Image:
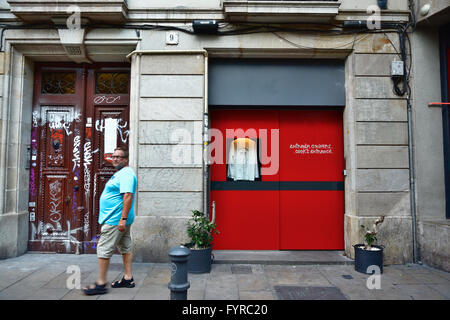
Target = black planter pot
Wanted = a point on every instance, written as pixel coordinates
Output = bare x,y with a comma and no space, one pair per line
200,261
366,258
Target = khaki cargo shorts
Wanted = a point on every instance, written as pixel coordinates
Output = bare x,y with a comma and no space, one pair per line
110,238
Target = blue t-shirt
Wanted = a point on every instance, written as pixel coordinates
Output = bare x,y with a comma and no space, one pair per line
111,200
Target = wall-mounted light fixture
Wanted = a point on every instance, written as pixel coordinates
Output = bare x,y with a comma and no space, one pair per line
205,26
72,40
425,9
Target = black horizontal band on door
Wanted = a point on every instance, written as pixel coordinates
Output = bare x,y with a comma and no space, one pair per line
277,185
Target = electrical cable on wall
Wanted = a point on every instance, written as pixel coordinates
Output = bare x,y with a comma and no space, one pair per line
239,29
401,84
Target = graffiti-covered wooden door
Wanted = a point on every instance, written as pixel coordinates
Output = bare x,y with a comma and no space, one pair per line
55,201
67,143
107,127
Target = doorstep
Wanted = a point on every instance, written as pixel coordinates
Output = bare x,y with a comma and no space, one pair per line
288,257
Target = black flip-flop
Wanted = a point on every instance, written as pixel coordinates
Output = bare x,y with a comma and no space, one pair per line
98,289
123,283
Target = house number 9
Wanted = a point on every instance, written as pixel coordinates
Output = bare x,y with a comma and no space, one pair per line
172,38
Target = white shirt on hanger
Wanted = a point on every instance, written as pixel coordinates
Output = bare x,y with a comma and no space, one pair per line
243,160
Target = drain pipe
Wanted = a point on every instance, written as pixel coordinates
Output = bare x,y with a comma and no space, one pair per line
412,188
402,32
205,140
411,153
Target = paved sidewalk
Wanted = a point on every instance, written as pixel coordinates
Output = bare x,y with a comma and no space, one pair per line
44,276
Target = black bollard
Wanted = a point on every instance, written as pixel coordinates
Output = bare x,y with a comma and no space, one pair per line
179,283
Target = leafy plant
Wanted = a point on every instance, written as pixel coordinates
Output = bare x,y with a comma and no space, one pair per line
370,236
200,230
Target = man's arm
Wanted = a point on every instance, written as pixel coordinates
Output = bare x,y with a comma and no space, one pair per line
127,202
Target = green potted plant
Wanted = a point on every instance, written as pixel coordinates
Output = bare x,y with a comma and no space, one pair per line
368,254
200,230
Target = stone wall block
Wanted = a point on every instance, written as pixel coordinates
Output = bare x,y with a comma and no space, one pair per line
380,110
170,132
363,4
173,64
11,201
351,234
396,235
378,43
169,156
374,88
389,133
155,86
169,179
154,236
435,244
11,178
382,180
384,204
13,234
185,109
374,64
169,203
382,157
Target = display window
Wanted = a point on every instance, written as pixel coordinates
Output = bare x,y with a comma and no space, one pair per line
243,160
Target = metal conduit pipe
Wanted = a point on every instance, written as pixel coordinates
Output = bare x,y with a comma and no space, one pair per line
205,139
403,37
205,135
412,188
412,182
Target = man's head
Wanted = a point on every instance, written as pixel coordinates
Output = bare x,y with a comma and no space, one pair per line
120,158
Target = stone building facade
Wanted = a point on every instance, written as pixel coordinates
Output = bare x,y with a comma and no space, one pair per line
169,65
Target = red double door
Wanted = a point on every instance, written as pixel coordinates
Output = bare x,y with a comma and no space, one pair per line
294,199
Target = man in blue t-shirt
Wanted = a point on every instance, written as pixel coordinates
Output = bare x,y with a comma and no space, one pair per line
116,216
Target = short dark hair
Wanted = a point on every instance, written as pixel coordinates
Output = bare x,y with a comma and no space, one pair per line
124,150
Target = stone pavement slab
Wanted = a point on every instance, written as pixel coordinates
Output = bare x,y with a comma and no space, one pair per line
308,293
44,276
285,257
